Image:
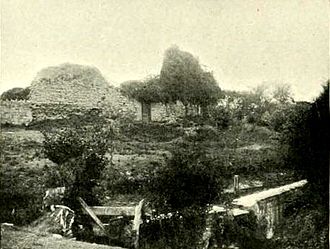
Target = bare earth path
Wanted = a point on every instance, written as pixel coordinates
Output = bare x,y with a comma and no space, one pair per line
12,238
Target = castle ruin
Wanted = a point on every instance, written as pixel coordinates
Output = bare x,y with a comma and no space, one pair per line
59,91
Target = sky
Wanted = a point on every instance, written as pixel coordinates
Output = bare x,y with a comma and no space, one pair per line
244,42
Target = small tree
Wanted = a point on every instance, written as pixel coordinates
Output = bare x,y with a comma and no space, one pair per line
220,117
184,187
282,93
81,155
146,92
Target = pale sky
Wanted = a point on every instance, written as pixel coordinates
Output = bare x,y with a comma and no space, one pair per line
244,42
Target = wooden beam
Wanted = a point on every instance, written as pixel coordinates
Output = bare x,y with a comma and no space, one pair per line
90,212
113,211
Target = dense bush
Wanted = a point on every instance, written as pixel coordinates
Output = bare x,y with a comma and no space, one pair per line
175,230
16,93
279,117
305,225
305,144
183,189
80,157
21,191
220,117
189,178
243,231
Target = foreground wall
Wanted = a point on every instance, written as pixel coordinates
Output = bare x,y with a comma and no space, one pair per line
15,112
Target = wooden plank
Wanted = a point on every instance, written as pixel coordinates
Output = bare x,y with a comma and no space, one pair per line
88,211
113,211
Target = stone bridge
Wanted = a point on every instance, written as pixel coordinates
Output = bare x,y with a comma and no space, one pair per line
267,205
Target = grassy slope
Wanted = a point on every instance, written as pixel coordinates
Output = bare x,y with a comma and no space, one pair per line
19,239
21,174
138,151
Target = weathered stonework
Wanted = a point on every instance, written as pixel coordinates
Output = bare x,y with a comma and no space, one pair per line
69,84
160,112
15,112
58,92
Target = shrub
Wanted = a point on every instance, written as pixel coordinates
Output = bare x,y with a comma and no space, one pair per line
176,230
305,223
220,117
183,188
242,231
16,93
80,155
189,178
21,191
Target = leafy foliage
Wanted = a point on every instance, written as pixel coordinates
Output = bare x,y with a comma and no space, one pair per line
220,117
282,93
147,91
184,80
16,93
180,230
305,225
189,178
250,107
81,156
184,187
279,116
306,135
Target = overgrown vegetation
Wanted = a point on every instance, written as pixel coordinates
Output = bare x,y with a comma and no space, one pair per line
16,93
183,189
21,176
181,167
181,79
80,156
306,136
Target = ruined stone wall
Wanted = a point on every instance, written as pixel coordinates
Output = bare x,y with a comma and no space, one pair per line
15,112
119,105
171,112
69,84
52,111
114,105
69,93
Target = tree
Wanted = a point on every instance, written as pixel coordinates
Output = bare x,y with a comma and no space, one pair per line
80,155
184,80
183,188
250,106
279,117
146,92
16,93
282,93
131,89
189,179
306,136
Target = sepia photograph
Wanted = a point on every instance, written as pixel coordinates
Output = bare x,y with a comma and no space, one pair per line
145,124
